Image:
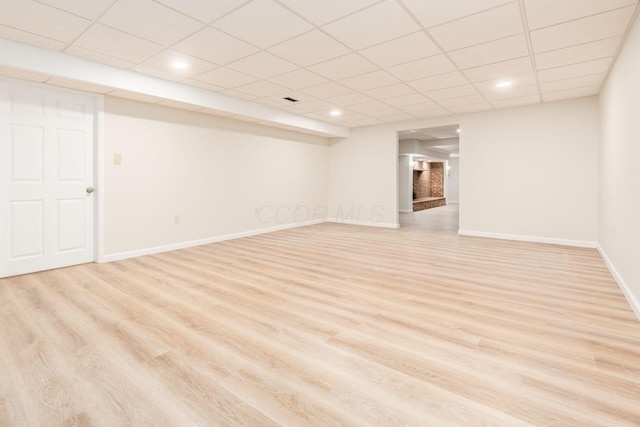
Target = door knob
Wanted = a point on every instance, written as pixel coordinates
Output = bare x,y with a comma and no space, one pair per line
89,190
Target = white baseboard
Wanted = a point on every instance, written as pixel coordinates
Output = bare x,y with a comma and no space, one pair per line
405,210
631,298
453,202
523,238
199,242
365,223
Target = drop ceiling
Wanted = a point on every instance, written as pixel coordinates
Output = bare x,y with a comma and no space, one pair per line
376,61
442,139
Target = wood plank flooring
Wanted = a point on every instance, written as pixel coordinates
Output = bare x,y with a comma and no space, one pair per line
327,325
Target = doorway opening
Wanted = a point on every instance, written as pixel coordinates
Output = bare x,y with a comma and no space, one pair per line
428,172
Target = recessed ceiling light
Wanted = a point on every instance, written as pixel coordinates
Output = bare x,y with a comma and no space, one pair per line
180,65
505,83
458,130
336,113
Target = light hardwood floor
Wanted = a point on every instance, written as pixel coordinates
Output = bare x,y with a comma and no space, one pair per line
325,325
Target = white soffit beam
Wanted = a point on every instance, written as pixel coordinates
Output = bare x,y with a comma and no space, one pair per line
59,64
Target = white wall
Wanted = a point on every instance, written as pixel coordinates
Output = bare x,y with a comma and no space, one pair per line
532,171
362,177
619,234
453,183
405,183
527,172
221,176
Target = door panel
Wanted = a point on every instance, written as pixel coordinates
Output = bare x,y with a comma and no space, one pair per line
71,225
26,228
46,165
27,153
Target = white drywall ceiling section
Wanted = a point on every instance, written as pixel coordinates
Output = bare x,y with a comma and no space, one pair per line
35,59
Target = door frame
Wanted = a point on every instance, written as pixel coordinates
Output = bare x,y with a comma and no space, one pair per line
98,170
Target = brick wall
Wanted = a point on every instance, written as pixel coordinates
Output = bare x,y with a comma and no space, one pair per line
421,184
436,179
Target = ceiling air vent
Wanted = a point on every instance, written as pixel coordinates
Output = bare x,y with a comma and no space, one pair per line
288,98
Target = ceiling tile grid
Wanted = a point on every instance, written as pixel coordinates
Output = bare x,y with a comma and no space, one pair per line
375,60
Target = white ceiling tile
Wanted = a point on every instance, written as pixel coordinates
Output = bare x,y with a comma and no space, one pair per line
368,106
439,82
321,12
431,13
575,70
30,38
163,60
354,117
400,117
385,92
577,82
42,20
470,108
298,51
490,52
580,53
343,67
500,70
261,89
385,112
15,73
544,13
149,20
452,92
179,105
511,92
301,97
204,10
584,30
369,81
497,23
404,49
135,96
239,95
326,90
517,81
78,85
422,68
298,79
462,100
431,113
400,101
315,106
262,65
225,78
514,102
98,57
227,48
571,93
376,24
366,122
108,41
421,108
87,9
349,99
263,23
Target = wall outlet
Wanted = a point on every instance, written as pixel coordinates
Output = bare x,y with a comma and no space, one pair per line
117,159
176,219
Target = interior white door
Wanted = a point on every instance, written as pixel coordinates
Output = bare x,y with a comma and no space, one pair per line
46,179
